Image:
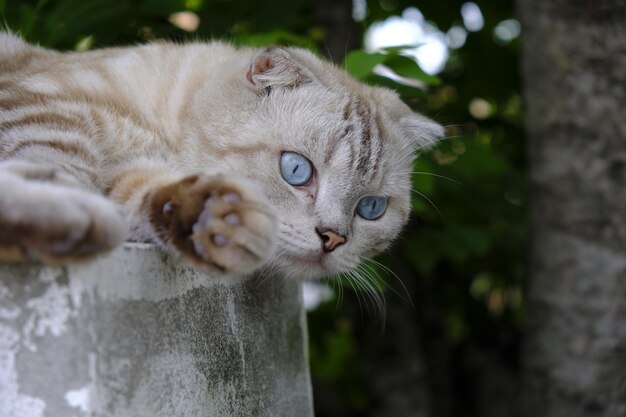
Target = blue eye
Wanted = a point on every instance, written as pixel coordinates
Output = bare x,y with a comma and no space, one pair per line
371,207
295,168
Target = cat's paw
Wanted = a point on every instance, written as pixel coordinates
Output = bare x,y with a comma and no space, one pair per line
42,219
216,222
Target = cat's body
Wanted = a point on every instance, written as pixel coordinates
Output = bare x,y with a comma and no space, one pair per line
184,145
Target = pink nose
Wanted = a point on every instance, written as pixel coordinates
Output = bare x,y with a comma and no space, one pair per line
330,240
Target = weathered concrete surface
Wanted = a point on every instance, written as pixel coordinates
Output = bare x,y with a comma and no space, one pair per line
138,334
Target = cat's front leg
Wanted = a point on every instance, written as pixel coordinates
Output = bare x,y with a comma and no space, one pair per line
46,214
218,222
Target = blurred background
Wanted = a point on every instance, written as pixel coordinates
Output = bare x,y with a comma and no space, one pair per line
433,327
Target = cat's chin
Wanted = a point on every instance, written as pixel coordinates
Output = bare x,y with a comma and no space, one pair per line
308,267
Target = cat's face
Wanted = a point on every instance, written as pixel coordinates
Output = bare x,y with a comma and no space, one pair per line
335,158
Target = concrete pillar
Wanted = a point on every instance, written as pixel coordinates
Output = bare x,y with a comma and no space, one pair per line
137,333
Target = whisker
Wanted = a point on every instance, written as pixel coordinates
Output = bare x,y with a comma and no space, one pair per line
436,175
368,288
338,291
339,296
374,294
370,293
438,141
330,282
408,298
293,242
270,269
429,200
352,281
407,151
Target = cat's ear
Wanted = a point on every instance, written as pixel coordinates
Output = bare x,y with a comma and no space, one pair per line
421,131
275,67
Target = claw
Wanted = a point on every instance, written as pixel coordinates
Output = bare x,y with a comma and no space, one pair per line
220,240
232,219
232,198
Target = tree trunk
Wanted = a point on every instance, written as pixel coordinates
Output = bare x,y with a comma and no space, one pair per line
575,74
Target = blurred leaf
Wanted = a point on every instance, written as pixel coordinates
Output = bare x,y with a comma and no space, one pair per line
360,64
406,92
478,160
400,48
84,44
407,67
481,285
193,5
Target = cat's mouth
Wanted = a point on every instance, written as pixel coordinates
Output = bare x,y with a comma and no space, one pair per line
301,260
311,265
312,259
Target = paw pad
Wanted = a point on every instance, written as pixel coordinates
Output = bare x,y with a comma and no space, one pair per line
215,222
207,215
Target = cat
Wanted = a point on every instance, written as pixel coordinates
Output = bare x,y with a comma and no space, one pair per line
233,158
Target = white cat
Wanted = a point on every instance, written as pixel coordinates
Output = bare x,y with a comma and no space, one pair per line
233,158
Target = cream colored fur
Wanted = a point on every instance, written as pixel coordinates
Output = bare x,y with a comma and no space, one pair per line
127,125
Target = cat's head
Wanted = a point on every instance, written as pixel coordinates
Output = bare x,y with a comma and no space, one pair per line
335,158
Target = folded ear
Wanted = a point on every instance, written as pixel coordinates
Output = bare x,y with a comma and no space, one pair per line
275,67
422,131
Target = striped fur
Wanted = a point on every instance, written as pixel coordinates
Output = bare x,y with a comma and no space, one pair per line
180,145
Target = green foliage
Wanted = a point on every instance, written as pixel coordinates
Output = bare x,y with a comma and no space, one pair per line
62,23
333,354
361,65
407,67
275,37
466,247
469,193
